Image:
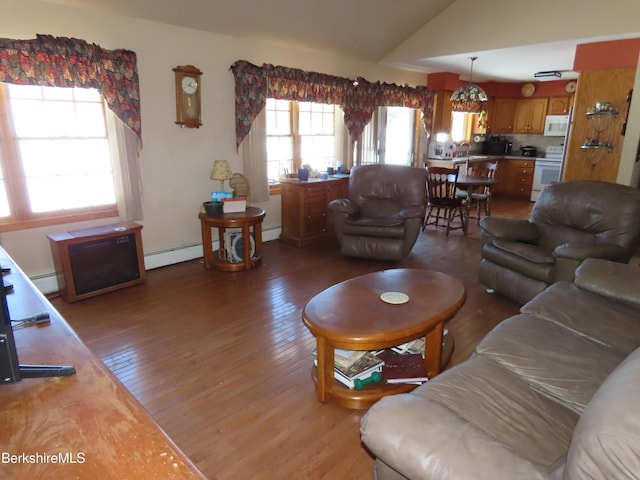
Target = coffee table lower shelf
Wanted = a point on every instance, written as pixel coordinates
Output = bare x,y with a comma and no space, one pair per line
346,397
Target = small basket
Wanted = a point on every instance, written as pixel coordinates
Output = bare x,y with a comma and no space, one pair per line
213,209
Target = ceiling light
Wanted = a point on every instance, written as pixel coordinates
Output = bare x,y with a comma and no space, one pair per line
549,73
469,98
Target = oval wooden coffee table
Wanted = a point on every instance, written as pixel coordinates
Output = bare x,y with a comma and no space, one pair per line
351,315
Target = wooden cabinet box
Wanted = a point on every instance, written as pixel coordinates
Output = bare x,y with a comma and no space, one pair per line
516,178
97,260
306,217
559,105
501,115
442,112
530,115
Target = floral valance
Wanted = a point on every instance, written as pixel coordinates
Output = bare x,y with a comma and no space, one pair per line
358,99
69,62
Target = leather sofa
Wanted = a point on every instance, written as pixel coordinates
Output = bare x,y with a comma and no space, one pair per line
551,393
383,215
570,221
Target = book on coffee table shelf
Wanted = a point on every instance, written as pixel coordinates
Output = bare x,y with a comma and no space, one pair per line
403,367
361,369
414,346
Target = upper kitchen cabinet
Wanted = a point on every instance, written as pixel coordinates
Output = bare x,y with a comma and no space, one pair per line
559,105
442,112
530,115
481,120
500,119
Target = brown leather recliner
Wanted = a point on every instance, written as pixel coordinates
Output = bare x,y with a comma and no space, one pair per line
571,221
382,217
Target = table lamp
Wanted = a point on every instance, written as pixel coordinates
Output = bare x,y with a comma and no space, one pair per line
221,171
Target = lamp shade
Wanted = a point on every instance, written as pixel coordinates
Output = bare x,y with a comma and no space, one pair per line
221,170
469,98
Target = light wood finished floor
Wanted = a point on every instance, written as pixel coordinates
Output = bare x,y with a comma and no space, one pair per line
222,360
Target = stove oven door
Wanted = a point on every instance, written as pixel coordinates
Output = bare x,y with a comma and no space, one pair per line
545,173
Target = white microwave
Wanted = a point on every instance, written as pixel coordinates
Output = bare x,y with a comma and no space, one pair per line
556,125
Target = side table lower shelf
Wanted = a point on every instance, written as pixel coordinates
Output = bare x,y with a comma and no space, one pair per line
250,219
361,399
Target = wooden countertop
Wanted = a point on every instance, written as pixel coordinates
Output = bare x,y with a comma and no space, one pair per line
83,426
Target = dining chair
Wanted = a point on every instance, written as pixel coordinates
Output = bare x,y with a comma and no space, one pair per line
482,198
442,200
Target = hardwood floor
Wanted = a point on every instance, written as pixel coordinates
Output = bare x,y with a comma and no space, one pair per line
222,360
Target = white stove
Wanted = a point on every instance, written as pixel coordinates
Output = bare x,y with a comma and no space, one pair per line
548,170
553,153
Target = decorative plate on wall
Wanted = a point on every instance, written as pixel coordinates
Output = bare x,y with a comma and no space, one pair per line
570,86
528,89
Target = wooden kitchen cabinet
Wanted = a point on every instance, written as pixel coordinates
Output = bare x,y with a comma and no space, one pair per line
483,128
516,178
530,115
500,118
559,105
306,217
442,112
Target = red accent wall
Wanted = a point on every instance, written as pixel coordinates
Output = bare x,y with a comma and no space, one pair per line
611,54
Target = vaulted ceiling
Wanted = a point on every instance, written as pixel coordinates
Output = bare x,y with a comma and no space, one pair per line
512,39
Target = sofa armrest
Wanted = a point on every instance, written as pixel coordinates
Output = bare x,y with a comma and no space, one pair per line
343,206
515,229
581,251
618,281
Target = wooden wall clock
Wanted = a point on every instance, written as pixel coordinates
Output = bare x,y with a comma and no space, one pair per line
188,89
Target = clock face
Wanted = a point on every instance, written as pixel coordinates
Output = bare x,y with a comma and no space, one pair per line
189,85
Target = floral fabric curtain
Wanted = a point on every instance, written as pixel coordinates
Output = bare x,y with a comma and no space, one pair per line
255,84
69,62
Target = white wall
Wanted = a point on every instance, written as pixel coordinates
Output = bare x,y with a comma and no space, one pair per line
175,162
629,170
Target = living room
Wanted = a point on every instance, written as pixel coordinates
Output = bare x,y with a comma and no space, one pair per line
175,164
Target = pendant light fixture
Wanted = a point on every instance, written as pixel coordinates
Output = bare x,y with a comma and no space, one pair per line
469,98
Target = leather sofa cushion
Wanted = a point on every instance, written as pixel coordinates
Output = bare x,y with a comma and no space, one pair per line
372,247
568,368
597,317
543,272
456,426
379,207
532,253
392,227
606,441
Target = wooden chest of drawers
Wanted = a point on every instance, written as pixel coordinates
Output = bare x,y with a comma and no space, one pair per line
516,178
521,178
306,217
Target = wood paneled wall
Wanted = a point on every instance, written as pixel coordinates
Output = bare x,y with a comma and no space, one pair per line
608,85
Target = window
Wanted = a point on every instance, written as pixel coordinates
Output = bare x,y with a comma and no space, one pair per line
55,160
461,126
390,137
299,133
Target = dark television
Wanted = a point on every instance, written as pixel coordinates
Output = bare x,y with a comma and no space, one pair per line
10,369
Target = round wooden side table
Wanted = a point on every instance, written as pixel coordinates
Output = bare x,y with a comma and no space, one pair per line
251,218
